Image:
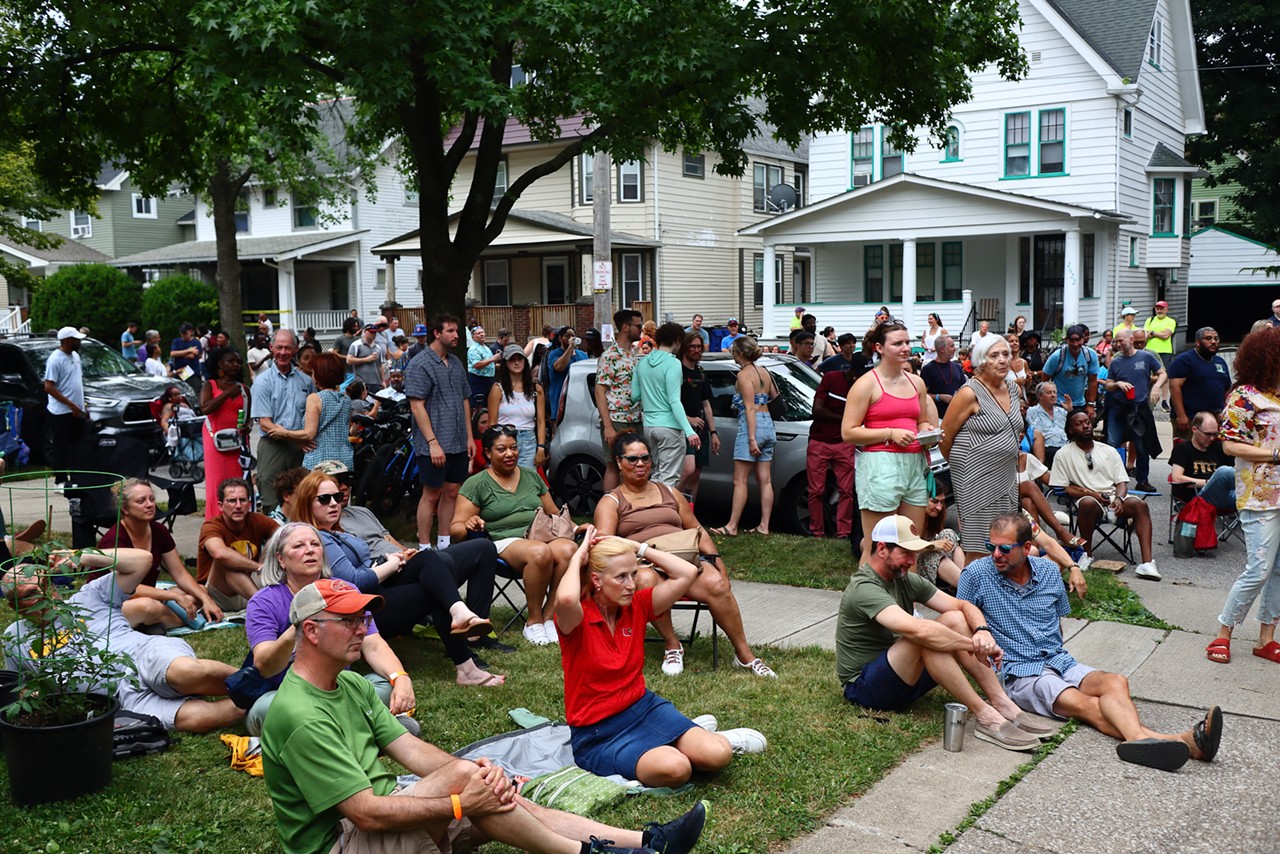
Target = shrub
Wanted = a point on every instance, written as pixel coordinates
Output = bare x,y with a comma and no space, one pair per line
175,300
94,295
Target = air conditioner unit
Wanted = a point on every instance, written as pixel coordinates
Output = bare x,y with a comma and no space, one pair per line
861,179
78,231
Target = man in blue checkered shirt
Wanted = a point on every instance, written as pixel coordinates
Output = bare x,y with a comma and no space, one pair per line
1024,600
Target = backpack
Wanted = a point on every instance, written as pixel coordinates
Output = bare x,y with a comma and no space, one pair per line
1196,528
137,735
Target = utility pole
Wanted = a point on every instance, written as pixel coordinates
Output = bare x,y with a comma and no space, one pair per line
601,251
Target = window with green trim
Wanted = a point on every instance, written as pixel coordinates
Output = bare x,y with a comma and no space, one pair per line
1186,207
1133,251
1017,145
1155,49
891,158
1163,201
1024,270
951,145
864,156
1086,261
926,264
895,272
873,273
1053,141
952,270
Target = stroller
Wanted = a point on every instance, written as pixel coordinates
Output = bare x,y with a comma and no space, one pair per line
185,448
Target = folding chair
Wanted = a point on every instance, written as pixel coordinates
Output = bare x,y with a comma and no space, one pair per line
687,604
506,578
1118,534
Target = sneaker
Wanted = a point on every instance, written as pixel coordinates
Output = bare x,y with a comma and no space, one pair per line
673,661
606,846
536,634
409,724
707,722
679,835
1084,562
744,740
1147,570
756,666
553,636
1145,486
1008,735
1063,518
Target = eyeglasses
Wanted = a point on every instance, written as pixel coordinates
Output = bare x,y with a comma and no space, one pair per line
384,325
1004,548
327,498
352,622
1211,435
495,429
235,501
635,459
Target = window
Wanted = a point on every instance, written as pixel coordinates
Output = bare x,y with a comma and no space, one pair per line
951,145
1086,261
798,180
873,273
926,263
380,279
952,270
269,199
765,177
1133,251
1024,271
411,196
242,211
143,207
895,272
500,180
1204,212
1127,123
630,188
520,77
891,159
1162,207
305,214
864,152
32,224
1186,207
695,165
757,279
586,164
555,281
1017,145
1154,47
1053,127
778,296
497,283
631,278
81,225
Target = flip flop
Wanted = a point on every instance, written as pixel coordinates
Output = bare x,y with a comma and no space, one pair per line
1076,543
723,532
1271,652
1219,651
475,628
488,681
1208,734
1163,754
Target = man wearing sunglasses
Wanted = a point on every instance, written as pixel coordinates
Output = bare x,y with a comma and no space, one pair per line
1024,600
1094,476
1198,381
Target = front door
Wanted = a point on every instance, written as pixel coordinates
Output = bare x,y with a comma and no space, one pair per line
555,281
1047,280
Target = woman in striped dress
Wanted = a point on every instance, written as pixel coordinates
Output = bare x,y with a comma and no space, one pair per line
980,436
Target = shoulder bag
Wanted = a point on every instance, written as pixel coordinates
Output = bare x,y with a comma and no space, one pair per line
546,527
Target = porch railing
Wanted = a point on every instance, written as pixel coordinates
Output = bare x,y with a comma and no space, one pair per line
13,322
329,320
552,315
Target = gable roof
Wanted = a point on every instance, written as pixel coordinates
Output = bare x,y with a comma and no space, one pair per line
1165,159
278,248
1117,29
555,226
68,252
110,176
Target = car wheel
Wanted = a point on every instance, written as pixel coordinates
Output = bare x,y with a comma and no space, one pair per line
580,485
793,510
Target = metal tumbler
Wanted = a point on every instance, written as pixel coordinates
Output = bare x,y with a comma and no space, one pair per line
955,715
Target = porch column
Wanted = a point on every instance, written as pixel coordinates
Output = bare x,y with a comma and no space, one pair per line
288,297
770,285
390,300
909,285
1072,281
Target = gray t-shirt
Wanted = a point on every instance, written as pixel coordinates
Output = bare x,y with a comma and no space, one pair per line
368,372
63,370
360,522
100,601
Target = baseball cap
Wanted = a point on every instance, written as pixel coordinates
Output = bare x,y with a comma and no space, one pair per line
330,594
799,309
733,321
511,351
1162,304
372,326
333,468
1128,310
899,530
419,330
592,333
560,330
69,332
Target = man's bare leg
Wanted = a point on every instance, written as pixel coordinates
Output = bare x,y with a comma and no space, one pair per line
1104,703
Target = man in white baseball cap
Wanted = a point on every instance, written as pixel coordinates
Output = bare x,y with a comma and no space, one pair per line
64,384
887,658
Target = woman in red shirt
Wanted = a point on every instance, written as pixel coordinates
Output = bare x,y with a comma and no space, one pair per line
618,725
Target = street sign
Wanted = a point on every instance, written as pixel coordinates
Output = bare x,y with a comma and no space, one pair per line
602,275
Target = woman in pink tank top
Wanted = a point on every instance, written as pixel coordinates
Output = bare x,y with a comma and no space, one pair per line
887,407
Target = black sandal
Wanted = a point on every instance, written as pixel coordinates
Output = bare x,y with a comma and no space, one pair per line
1208,734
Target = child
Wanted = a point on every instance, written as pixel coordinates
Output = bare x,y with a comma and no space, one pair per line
965,362
361,404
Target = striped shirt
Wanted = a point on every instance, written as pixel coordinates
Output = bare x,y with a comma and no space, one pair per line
1024,619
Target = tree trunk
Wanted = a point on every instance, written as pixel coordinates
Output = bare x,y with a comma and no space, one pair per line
446,273
223,192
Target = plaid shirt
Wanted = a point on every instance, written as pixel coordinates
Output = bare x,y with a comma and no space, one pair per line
442,385
1026,620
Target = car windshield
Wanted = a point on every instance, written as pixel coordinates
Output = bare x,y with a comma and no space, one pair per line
97,361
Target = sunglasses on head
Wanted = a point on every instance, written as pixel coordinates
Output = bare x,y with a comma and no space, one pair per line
502,430
327,498
635,459
1004,548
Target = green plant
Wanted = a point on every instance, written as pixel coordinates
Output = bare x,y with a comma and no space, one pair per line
71,667
93,295
175,300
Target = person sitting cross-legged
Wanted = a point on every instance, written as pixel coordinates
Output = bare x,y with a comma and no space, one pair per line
887,658
1093,476
1024,599
230,547
1201,467
321,748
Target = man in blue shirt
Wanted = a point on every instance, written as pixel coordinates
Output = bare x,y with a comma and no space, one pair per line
185,352
734,334
558,361
279,402
1024,599
1074,370
842,360
1198,381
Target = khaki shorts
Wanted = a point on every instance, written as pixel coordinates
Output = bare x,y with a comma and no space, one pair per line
352,840
228,603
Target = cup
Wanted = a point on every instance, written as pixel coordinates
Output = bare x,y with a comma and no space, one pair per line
1130,393
955,715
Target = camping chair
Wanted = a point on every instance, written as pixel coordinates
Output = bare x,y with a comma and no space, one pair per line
507,578
1228,521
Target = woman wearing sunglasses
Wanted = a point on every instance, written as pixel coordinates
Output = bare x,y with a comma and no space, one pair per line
292,558
501,501
416,585
641,509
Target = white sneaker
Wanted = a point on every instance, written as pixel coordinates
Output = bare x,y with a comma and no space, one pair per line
744,740
549,628
673,661
536,634
707,722
1063,518
1085,562
1147,570
758,667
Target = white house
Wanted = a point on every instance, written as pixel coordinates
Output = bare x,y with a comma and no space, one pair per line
1229,279
1059,196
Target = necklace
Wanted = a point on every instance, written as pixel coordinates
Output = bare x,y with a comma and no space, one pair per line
643,493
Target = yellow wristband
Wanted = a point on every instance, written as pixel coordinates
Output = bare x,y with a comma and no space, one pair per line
392,677
457,806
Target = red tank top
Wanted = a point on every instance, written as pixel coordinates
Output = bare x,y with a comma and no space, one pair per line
899,413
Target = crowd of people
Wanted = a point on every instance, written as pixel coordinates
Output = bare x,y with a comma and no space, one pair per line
324,583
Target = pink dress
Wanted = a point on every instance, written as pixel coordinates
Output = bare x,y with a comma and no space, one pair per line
219,465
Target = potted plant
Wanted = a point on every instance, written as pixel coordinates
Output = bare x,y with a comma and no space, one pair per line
57,733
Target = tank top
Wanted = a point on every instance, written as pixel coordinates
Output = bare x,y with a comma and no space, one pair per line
645,523
898,413
930,350
519,411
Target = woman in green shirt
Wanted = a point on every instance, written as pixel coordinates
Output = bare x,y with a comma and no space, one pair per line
502,500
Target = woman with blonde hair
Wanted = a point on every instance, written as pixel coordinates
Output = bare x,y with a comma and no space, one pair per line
754,443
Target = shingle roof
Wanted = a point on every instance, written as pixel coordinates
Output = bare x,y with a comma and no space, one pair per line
108,173
1164,157
1117,29
248,248
68,251
763,143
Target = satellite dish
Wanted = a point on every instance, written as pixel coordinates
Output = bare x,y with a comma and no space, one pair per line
783,197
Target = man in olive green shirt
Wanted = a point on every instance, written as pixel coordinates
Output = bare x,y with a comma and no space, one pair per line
886,657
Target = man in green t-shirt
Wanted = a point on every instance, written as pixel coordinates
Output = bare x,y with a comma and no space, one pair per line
320,749
886,657
1160,329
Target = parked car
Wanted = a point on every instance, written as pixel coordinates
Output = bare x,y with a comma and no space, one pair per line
117,394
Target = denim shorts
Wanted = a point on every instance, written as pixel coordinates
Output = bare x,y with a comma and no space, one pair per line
880,687
884,479
615,744
766,438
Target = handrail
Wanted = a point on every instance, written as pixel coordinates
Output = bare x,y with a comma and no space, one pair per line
970,324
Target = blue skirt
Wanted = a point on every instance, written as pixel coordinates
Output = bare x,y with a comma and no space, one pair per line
615,744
